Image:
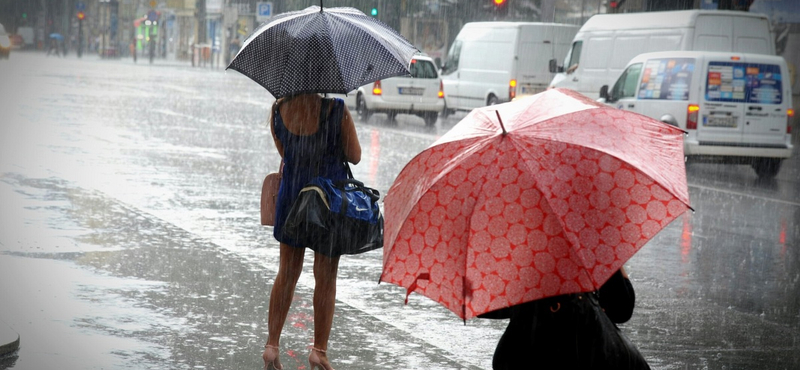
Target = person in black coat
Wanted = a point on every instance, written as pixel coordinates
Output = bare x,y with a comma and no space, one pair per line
573,331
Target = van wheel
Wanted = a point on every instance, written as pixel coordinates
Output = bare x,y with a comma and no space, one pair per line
492,100
361,108
766,168
430,118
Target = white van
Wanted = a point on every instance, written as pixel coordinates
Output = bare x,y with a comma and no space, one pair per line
606,42
494,62
736,108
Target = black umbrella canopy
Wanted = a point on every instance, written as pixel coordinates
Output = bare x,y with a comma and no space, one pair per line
331,50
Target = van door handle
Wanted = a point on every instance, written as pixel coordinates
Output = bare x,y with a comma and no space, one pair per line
575,79
631,106
754,108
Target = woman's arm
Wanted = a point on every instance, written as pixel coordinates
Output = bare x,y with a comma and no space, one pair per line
271,123
617,297
352,148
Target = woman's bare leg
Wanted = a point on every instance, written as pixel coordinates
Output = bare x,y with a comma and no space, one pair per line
291,265
325,271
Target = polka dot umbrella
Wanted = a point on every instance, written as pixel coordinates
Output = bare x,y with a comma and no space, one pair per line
330,50
539,197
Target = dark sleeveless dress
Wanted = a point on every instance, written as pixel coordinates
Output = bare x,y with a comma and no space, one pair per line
305,157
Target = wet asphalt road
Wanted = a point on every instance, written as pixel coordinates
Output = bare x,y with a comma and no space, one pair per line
129,239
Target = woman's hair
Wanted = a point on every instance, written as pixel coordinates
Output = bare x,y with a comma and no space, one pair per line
272,112
276,105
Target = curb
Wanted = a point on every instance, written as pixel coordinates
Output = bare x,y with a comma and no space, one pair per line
9,339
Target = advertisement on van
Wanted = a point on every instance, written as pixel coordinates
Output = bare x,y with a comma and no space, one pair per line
667,79
744,83
785,16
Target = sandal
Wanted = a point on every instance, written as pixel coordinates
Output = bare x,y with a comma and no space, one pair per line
270,356
319,359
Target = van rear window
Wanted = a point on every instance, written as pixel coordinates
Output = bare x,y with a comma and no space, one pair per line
667,79
744,83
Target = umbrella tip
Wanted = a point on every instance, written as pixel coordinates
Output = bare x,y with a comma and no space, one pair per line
501,122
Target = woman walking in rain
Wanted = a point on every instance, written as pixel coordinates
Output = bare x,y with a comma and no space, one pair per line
295,56
311,134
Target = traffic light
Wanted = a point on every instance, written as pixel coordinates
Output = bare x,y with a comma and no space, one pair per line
81,16
615,5
374,12
500,7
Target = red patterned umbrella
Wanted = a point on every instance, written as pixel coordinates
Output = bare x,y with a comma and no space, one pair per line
539,197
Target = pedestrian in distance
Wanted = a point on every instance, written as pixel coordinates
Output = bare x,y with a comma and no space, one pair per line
310,133
53,47
151,49
574,331
133,48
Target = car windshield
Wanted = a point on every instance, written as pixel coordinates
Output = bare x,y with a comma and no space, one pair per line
422,69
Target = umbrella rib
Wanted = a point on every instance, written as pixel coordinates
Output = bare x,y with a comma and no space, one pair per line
560,222
266,26
382,37
477,145
471,214
566,137
601,150
328,20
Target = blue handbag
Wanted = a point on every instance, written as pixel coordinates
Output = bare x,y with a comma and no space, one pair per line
336,217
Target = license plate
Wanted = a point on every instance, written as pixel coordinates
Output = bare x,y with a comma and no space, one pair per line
410,90
530,89
721,121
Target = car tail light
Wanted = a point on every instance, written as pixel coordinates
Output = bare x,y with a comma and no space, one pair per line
789,116
376,88
441,90
691,116
512,89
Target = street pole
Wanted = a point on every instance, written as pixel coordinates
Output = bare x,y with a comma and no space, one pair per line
80,37
583,9
103,28
65,27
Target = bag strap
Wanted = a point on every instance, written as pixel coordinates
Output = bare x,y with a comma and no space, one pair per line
322,124
323,112
349,185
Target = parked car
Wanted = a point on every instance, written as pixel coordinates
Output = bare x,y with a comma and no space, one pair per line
5,43
419,94
607,41
735,107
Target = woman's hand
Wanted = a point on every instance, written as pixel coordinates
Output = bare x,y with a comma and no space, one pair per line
352,148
